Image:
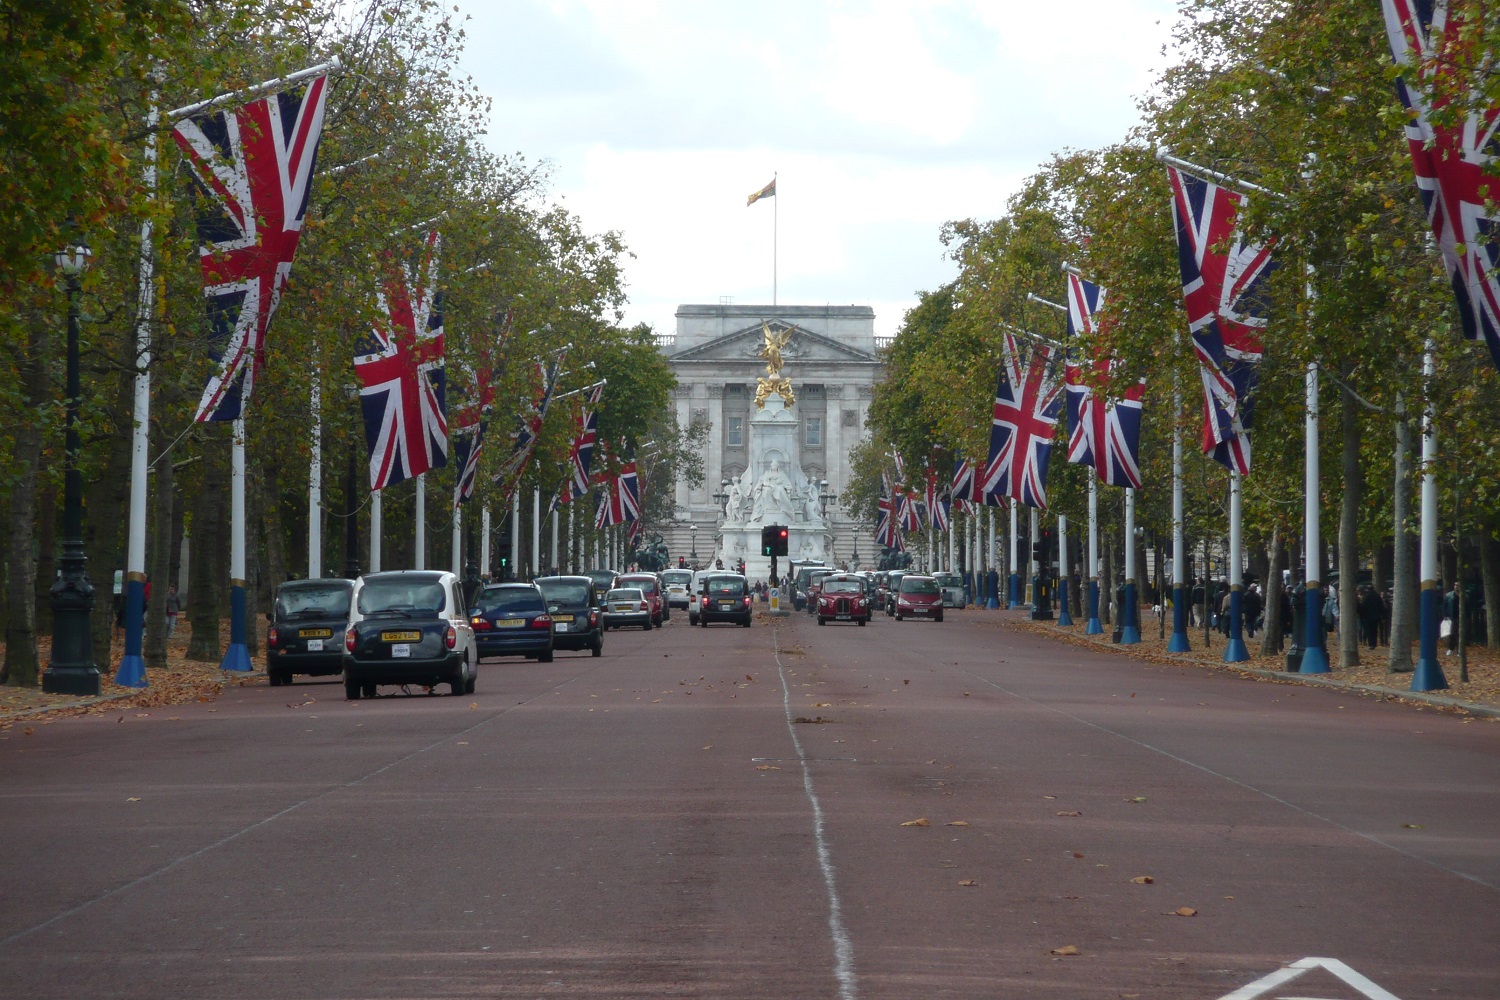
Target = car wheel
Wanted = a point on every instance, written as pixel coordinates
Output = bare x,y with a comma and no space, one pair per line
939,619
469,684
597,649
351,689
862,622
745,623
367,690
898,616
545,657
822,620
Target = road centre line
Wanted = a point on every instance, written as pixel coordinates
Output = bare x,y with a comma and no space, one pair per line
843,947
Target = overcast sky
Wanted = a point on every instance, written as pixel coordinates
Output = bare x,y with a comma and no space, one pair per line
880,120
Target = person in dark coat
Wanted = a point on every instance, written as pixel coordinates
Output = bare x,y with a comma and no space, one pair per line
1371,608
1251,605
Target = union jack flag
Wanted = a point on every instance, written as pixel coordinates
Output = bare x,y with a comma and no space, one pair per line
965,489
938,501
469,421
400,370
581,455
1226,314
1453,164
887,533
620,502
524,437
909,512
1027,401
1104,433
253,166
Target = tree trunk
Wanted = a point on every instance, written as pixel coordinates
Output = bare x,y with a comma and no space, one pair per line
159,557
276,534
46,554
1349,531
107,514
1403,570
1489,571
208,568
21,667
1270,643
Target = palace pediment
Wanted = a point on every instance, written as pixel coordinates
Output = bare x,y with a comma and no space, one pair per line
804,347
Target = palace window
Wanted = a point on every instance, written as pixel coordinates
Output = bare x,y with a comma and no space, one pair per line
734,431
813,432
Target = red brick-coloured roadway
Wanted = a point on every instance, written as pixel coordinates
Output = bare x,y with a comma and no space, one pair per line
719,813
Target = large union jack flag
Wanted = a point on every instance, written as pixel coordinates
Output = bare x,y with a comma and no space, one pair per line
1102,432
471,420
908,512
1027,404
1453,164
400,370
965,489
524,438
620,503
581,454
1226,314
887,532
253,166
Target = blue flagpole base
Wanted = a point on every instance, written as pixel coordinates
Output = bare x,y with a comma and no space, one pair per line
1094,627
1178,643
132,672
1428,676
992,604
1314,661
1235,652
236,659
1130,635
1015,591
1064,619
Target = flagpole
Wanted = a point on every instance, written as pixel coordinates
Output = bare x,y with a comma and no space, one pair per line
775,234
315,479
237,656
421,519
484,541
1130,622
376,530
515,532
1015,566
1314,653
1235,651
1094,626
555,563
1428,675
132,671
536,531
458,540
1034,564
1179,641
1063,617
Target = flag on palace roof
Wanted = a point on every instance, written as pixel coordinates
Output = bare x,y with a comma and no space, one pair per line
252,166
1455,167
1103,432
1023,423
399,364
1223,293
769,191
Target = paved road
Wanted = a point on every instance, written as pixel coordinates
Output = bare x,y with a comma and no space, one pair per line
718,813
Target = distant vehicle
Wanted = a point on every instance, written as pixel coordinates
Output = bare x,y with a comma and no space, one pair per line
651,587
892,584
814,586
678,583
511,619
919,597
725,598
695,596
408,627
574,611
604,579
306,634
626,606
844,597
952,586
798,582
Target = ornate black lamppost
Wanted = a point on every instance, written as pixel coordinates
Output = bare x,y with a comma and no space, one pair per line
72,669
693,533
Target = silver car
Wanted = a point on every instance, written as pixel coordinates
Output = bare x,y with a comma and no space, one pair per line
625,606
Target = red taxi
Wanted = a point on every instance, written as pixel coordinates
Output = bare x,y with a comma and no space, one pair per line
843,597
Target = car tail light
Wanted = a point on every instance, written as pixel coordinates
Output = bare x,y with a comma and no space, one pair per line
480,624
450,637
349,638
593,618
645,606
747,601
273,637
542,621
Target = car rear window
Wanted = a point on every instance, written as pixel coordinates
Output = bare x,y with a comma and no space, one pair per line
628,594
732,586
918,586
565,591
682,576
417,595
507,600
647,585
324,602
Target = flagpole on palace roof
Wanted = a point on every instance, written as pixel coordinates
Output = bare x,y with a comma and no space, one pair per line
775,234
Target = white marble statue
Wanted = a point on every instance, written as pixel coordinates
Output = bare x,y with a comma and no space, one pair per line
772,495
735,507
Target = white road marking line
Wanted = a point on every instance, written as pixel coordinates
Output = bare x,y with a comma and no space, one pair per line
843,948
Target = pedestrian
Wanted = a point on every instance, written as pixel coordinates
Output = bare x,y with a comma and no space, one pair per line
1371,609
1198,602
1250,608
1450,617
174,608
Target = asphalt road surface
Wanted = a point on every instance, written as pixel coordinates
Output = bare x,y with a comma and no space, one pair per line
729,812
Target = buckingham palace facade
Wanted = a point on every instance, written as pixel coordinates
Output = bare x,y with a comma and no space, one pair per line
832,360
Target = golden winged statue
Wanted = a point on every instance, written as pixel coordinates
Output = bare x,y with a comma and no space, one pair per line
771,351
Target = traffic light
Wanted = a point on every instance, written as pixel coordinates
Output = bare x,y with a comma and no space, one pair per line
1041,548
774,539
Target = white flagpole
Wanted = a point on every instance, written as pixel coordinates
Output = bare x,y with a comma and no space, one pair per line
1314,651
1234,650
315,480
132,671
1130,623
572,539
555,563
515,531
458,540
484,541
1064,616
421,519
536,531
376,528
1015,565
775,234
1094,626
1180,595
237,656
1428,675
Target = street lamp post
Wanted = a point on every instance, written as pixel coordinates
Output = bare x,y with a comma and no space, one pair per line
72,669
693,533
824,499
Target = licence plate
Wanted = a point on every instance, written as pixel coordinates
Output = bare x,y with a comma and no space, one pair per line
510,622
560,627
726,605
401,637
400,650
841,618
314,633
624,607
315,645
562,618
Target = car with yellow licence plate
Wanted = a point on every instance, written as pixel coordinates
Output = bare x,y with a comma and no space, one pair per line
306,631
410,628
511,619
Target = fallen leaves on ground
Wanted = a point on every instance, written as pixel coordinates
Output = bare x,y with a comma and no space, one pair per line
1067,949
957,822
968,881
767,767
1183,911
1070,812
923,821
1143,880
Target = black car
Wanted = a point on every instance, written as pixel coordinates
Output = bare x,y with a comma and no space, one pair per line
603,579
726,598
511,619
574,611
410,628
306,634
